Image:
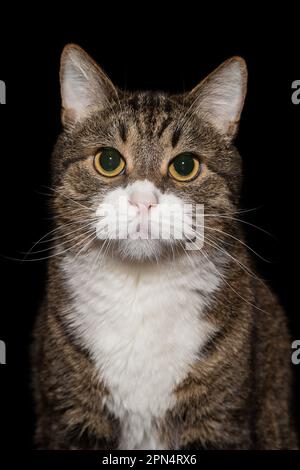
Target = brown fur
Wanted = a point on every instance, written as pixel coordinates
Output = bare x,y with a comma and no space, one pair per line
238,395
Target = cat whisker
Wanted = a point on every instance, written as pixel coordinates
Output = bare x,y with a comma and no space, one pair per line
214,244
86,279
78,237
189,258
43,239
206,227
203,252
66,235
230,286
77,211
70,199
90,241
240,221
96,260
106,246
50,256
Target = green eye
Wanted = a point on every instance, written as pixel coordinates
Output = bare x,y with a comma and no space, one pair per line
109,162
184,167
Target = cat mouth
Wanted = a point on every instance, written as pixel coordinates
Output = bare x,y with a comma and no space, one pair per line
167,226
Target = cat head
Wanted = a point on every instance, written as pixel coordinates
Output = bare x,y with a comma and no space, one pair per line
131,170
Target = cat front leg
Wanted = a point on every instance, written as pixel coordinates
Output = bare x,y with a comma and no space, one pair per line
205,419
56,431
70,398
75,439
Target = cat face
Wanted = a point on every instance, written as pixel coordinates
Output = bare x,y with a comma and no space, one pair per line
134,173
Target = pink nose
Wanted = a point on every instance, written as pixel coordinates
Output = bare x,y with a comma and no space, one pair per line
144,199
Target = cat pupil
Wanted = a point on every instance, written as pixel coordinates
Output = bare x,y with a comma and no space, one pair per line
184,164
110,160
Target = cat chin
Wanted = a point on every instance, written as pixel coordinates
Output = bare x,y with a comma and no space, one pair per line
140,250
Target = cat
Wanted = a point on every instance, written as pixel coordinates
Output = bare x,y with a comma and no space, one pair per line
155,342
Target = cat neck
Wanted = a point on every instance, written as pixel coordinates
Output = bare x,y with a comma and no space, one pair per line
199,272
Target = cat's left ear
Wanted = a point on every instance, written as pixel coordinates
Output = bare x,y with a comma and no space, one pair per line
84,86
220,97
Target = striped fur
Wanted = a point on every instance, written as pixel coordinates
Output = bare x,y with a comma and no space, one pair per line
164,352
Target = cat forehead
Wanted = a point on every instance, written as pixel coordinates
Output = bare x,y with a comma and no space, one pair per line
152,113
143,126
142,118
151,102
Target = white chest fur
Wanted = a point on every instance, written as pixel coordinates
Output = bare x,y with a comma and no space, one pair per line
144,328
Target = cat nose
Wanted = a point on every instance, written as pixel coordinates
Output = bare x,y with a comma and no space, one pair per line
143,199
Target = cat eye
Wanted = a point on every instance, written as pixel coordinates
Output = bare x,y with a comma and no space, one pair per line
109,162
184,167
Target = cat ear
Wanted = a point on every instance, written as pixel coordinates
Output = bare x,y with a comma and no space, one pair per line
84,86
219,98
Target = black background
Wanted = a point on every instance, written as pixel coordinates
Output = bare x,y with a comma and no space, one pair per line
160,53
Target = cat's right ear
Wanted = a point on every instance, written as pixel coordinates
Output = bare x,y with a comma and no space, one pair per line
84,86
